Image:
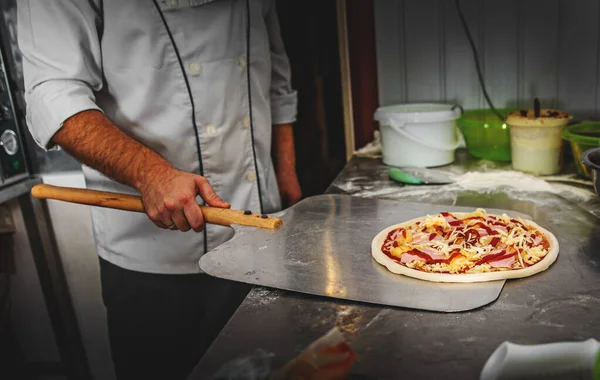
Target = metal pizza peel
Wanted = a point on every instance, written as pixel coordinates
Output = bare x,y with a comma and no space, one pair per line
323,247
320,246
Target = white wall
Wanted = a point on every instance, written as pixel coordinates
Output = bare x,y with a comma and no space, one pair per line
534,48
73,231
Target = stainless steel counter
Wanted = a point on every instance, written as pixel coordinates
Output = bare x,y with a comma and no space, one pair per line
563,304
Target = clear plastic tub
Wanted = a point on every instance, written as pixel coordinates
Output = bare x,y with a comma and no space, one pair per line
536,143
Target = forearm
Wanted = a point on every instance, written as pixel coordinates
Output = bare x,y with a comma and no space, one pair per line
285,164
284,152
94,140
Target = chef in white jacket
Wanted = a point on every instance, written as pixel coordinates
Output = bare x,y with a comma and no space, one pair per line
179,101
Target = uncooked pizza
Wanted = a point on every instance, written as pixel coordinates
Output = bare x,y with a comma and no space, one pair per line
465,247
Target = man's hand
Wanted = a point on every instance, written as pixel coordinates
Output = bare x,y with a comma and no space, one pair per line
289,188
285,164
168,194
169,198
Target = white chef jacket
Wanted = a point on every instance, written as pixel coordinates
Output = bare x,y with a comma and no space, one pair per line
118,56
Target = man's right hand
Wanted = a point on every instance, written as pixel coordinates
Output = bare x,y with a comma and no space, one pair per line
169,198
168,194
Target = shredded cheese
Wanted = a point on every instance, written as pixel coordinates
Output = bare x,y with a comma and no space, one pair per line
513,238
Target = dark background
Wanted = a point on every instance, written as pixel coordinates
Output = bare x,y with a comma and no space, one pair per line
310,37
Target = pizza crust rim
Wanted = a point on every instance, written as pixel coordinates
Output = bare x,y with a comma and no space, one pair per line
398,268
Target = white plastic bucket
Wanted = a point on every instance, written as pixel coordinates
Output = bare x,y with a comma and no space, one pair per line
418,135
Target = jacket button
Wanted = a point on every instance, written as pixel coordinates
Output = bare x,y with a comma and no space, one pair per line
242,61
251,176
195,68
170,3
211,130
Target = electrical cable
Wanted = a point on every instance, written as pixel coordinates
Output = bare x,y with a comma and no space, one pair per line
476,58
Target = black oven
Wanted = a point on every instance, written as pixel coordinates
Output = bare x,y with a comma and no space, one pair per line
12,153
14,157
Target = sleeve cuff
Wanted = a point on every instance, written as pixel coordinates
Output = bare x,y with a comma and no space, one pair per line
51,103
284,108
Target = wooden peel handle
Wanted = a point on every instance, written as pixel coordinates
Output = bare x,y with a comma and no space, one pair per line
212,215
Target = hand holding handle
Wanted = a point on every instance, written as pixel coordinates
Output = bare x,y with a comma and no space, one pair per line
126,202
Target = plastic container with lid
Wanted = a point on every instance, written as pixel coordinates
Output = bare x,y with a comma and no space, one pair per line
418,135
536,142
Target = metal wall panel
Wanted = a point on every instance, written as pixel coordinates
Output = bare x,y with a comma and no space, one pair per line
535,48
578,55
391,51
424,48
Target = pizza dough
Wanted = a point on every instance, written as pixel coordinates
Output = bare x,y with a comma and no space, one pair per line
398,268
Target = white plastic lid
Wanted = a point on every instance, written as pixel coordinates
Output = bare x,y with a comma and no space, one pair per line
418,112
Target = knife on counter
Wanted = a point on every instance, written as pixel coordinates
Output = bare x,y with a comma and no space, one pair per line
418,176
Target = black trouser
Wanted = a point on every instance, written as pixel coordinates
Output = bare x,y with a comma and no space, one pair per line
160,325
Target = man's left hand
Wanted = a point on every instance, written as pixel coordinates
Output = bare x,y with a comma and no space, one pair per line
289,188
285,165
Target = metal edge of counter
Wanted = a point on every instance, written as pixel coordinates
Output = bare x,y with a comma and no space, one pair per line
15,190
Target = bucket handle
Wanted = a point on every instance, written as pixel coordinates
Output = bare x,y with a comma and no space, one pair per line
460,108
398,128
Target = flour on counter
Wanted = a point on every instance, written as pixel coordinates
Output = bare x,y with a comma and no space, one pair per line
504,178
486,179
572,193
263,296
344,311
489,181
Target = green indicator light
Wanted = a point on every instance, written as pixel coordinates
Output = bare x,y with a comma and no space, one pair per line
16,165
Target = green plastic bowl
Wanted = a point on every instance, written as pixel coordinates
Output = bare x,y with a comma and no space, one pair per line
486,136
582,137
